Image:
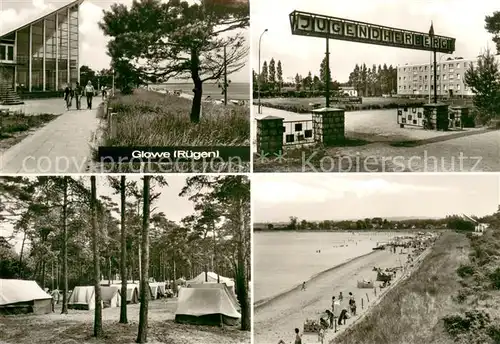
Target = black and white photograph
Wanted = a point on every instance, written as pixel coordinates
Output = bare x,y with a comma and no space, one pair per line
123,86
125,259
364,259
375,86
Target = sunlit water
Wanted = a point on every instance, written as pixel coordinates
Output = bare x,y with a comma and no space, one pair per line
286,259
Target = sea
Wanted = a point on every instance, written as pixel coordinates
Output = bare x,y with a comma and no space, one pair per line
283,260
235,91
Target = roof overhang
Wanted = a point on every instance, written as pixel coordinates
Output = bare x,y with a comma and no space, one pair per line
40,17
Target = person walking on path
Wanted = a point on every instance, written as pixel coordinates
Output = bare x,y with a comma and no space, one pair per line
303,286
298,337
89,93
352,304
78,95
68,96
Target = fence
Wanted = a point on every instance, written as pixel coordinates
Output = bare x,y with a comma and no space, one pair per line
326,127
432,116
298,132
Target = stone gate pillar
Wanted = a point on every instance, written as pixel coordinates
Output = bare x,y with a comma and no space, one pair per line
328,125
270,135
438,115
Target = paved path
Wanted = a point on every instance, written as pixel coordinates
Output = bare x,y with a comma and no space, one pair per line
62,146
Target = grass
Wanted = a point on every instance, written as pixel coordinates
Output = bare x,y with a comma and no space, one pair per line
14,127
152,119
411,312
301,105
18,122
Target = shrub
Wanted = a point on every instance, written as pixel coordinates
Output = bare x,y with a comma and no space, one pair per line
495,279
470,321
465,270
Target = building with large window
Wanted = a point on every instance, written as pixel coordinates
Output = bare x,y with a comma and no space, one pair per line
418,79
42,55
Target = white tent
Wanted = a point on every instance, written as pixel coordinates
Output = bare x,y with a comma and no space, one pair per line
211,277
132,292
21,296
231,295
110,297
207,306
82,298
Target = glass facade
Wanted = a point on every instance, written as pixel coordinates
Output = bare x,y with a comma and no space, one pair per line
46,52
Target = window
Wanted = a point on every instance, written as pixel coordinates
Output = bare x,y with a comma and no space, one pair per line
420,88
451,70
452,77
426,87
10,53
404,69
399,78
458,87
465,64
459,76
420,78
404,78
444,66
426,77
445,87
458,65
426,67
451,87
404,87
444,77
3,52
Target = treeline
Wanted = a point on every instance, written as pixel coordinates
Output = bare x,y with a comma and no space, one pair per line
374,81
377,223
70,237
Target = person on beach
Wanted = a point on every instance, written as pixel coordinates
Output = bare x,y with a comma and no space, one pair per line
298,337
342,317
330,318
333,304
341,297
303,286
352,305
89,93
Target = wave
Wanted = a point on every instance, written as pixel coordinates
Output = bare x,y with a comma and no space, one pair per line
266,301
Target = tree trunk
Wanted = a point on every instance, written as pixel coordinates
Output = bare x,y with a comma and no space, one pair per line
21,256
143,312
123,253
42,279
139,259
65,246
97,272
241,281
109,270
198,86
52,275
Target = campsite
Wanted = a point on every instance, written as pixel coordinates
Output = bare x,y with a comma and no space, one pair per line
62,260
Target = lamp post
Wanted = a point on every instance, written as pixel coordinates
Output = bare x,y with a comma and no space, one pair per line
259,76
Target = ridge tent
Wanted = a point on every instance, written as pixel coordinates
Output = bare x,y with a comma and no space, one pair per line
212,277
110,297
21,296
82,298
161,289
205,306
231,295
132,292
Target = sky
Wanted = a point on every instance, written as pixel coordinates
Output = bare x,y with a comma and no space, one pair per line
174,207
14,13
332,197
460,19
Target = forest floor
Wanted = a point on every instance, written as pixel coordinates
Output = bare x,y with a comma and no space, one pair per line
76,327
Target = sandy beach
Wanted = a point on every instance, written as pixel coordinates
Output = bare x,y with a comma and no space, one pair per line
277,318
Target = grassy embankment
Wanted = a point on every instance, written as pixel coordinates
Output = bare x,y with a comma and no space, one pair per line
15,126
453,297
151,119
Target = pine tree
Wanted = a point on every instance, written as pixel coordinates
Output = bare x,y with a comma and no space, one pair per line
272,73
279,75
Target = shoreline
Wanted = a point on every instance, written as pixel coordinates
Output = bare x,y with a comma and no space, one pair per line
276,297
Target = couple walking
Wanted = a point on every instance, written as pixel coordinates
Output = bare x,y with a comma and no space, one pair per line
78,92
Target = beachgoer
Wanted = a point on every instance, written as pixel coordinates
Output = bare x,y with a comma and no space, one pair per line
78,95
89,92
342,317
303,286
352,304
321,335
298,337
341,297
330,317
333,303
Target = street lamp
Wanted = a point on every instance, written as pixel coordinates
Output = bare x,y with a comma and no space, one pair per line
259,76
